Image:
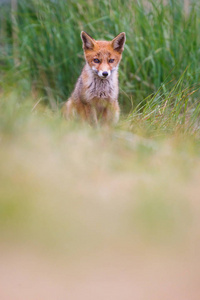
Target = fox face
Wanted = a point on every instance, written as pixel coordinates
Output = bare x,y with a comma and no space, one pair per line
103,57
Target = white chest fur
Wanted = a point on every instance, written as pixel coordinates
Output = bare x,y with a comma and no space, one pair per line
102,89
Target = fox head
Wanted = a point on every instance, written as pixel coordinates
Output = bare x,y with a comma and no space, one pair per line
103,57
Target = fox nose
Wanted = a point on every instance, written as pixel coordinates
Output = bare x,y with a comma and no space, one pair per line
105,74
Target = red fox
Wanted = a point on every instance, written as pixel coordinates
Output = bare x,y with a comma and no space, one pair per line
95,97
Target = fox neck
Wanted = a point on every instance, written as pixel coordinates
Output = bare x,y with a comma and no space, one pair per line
98,87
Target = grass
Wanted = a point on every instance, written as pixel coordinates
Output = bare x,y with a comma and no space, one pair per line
162,41
168,111
69,192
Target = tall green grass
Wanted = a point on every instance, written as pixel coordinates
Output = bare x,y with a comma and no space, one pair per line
172,109
41,46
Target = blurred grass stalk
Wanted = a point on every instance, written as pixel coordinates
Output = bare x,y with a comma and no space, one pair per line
15,32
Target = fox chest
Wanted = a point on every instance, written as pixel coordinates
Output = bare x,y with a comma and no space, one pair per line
100,92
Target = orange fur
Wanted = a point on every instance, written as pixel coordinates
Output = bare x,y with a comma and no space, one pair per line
95,97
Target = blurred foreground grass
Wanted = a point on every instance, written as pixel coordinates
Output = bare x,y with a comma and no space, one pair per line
96,213
73,186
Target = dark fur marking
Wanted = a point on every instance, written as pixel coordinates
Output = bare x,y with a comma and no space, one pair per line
90,85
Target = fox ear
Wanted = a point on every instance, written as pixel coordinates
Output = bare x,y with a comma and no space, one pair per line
88,41
118,42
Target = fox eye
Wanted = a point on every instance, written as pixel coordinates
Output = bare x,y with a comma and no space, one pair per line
111,60
96,60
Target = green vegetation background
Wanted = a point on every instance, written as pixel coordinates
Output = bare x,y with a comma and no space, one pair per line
41,45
